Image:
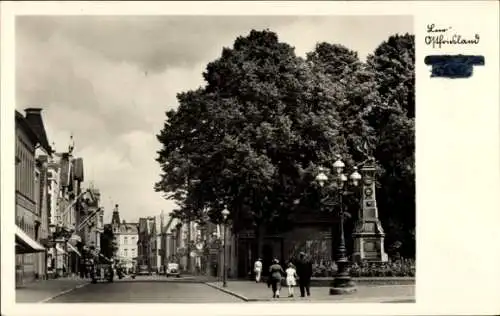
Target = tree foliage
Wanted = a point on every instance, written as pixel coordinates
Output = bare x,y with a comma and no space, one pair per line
393,62
253,137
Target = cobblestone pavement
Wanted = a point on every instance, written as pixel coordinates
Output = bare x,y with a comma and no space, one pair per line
252,291
39,291
146,292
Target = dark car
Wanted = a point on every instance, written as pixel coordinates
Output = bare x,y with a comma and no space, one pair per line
143,270
102,272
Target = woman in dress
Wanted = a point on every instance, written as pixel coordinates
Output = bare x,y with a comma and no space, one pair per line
275,274
291,277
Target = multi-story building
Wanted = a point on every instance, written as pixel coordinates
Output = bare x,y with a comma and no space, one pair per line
153,244
126,236
66,173
143,243
183,243
92,226
166,242
147,243
31,224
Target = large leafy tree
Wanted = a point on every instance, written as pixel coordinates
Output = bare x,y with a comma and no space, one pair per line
345,72
393,62
377,115
251,136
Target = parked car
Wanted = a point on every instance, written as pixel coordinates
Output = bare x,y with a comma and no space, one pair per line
173,270
143,270
102,272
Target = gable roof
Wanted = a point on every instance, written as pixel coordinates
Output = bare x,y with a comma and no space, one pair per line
34,118
26,127
129,228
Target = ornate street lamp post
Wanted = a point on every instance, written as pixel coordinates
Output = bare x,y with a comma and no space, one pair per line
342,283
225,214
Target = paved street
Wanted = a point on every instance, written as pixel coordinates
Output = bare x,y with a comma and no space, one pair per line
189,289
146,291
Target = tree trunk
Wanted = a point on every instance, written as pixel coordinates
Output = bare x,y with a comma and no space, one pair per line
259,237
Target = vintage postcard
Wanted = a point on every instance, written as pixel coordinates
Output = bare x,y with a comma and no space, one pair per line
250,158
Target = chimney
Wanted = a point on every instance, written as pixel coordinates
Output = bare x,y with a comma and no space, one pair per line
33,111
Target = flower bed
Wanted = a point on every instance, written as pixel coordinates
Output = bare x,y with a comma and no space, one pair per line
397,268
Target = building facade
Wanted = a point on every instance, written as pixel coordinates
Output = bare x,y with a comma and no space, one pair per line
147,247
126,236
153,244
70,213
28,219
92,225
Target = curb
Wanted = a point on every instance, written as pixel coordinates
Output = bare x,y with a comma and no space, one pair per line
347,299
237,295
63,292
368,281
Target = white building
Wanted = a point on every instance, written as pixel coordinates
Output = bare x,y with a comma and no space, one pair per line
126,236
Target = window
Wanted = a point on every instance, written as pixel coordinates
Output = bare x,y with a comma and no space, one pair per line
36,193
125,240
126,252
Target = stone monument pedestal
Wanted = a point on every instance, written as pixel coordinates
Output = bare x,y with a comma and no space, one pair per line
368,233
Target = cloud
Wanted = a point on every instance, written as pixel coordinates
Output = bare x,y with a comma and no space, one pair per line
108,80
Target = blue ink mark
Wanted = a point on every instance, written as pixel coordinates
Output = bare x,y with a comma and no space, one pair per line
453,66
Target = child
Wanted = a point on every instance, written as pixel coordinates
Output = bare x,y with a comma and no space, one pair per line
291,277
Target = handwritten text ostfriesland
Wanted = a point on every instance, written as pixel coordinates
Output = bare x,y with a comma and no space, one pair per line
437,37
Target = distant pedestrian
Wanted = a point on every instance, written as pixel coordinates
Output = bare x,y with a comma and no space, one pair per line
257,268
275,274
291,277
304,272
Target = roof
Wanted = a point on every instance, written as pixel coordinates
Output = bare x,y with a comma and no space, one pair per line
34,118
26,127
129,228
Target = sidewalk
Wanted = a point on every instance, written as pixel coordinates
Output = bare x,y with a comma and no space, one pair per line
251,291
41,291
162,278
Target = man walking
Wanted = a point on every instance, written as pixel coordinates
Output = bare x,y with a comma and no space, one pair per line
304,272
257,268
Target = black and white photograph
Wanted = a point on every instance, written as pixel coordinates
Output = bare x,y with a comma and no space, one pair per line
215,159
249,158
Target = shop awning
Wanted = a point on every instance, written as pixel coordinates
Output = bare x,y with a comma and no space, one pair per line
76,238
60,251
26,244
105,258
73,249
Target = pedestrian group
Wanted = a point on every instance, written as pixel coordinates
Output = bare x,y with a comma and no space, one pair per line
300,270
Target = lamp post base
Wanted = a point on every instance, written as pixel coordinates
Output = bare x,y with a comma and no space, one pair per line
343,290
342,286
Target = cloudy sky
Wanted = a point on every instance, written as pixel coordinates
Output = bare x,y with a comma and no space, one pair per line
109,80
